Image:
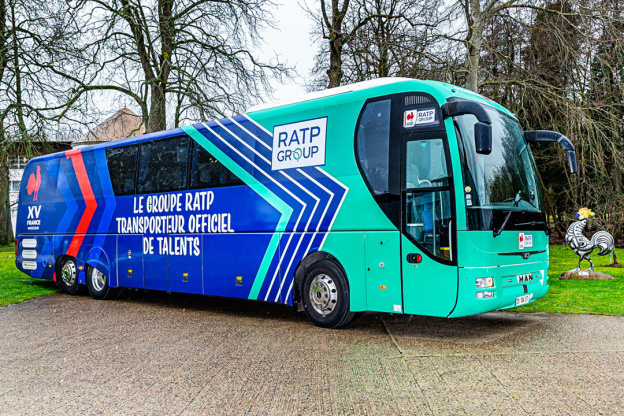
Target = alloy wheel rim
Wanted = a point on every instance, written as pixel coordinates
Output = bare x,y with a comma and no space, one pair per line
323,294
68,273
98,280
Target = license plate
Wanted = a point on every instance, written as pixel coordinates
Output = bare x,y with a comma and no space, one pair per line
521,300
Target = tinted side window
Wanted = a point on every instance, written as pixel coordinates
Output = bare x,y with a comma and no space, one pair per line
122,168
208,172
373,143
162,165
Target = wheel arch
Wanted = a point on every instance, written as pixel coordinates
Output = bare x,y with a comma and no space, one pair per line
75,287
303,267
59,261
98,259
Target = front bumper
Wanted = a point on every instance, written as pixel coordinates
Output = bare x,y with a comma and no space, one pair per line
510,282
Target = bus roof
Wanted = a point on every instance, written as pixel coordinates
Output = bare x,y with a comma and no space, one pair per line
443,88
447,90
329,92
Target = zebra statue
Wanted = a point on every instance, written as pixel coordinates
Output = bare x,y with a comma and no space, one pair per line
581,245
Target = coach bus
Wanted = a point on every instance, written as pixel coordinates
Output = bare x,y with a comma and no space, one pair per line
393,195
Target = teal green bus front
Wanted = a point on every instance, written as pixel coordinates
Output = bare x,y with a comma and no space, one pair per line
503,248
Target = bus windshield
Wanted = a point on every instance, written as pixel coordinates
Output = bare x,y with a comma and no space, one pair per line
503,181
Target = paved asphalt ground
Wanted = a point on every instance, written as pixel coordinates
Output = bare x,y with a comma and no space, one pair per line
178,354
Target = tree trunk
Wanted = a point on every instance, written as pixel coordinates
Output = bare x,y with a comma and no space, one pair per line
18,79
157,116
384,55
335,72
158,105
336,40
474,41
3,38
6,227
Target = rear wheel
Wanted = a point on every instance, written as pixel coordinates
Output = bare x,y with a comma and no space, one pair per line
97,283
325,295
69,276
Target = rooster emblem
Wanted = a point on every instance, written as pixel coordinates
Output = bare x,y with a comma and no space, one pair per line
34,182
580,245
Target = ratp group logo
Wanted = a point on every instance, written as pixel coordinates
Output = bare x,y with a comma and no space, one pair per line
412,118
298,145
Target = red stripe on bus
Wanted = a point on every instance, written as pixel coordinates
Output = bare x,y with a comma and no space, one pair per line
89,198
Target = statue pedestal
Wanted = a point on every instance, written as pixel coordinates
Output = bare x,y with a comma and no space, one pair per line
585,275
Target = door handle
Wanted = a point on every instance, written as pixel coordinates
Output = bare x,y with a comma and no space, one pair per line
414,258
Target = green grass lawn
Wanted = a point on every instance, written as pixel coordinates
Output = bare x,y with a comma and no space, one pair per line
15,286
602,297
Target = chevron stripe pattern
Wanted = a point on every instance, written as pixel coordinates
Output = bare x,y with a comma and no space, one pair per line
313,195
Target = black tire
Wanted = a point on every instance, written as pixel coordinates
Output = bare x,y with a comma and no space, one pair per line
97,283
327,304
68,276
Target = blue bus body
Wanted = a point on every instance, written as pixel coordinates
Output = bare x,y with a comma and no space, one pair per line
206,241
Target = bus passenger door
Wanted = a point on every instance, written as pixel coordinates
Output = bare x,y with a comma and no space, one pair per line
428,226
130,260
383,271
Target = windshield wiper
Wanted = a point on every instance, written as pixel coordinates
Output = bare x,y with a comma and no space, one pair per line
534,223
502,227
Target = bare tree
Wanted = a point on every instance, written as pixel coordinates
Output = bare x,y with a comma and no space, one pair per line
6,231
477,17
342,24
397,42
34,39
196,55
19,117
559,66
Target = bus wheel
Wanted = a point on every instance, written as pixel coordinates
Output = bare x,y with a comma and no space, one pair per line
325,295
97,283
69,276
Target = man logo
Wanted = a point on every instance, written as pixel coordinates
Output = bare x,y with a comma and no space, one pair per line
34,182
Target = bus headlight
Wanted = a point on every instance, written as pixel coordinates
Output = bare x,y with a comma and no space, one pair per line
484,282
484,295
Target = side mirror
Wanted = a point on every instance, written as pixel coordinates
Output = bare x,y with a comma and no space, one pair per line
572,161
482,130
553,136
483,138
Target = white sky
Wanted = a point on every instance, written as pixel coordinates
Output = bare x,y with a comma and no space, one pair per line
292,42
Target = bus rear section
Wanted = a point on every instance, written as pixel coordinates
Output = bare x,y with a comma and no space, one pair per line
193,210
393,195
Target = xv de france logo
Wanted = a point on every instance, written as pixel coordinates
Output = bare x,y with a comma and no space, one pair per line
34,182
